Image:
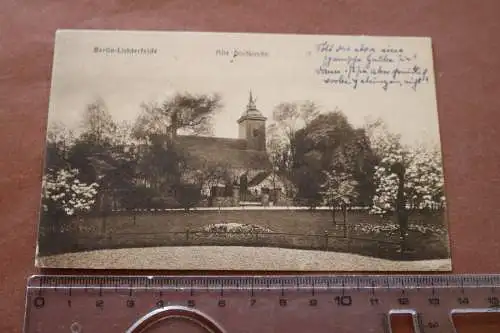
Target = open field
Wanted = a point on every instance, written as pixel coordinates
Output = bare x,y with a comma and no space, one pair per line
363,234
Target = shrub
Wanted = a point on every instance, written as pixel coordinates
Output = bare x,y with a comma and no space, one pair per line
236,228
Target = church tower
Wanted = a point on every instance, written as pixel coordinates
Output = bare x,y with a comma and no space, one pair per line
252,126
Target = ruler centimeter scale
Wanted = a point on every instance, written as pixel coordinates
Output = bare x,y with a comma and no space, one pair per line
250,304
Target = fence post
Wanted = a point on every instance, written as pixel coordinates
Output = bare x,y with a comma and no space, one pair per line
103,224
326,240
187,234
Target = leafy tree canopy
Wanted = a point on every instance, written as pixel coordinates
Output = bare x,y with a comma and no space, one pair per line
191,114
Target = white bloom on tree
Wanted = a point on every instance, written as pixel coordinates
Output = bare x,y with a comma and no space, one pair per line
422,176
62,190
339,188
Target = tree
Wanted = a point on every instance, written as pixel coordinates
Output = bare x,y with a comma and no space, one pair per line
415,176
160,165
64,193
287,119
104,154
330,143
122,135
161,161
339,189
59,141
98,125
90,151
407,179
192,114
425,180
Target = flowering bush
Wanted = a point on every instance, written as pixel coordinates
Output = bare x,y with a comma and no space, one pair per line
235,227
394,228
338,189
423,180
384,200
62,191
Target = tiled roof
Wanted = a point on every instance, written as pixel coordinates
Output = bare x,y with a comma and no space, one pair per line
211,150
259,178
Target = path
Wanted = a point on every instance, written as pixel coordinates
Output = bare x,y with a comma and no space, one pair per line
234,258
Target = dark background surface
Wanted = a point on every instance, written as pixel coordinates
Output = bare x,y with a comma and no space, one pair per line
467,65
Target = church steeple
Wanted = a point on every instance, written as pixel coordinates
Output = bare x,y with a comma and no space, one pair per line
251,111
251,102
252,126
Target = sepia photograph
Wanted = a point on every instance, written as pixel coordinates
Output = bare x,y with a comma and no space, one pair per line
242,151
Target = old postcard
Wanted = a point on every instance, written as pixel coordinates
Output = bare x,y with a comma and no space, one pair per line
217,151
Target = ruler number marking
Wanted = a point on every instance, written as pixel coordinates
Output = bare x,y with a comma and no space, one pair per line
434,301
463,300
344,300
39,302
130,303
403,300
99,304
494,301
252,301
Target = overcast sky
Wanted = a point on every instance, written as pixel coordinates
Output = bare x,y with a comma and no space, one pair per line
188,62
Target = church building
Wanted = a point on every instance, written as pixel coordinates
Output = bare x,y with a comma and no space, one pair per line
243,161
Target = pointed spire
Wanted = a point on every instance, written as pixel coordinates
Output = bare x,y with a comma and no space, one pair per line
251,102
251,111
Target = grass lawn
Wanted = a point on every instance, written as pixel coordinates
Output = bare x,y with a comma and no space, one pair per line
367,234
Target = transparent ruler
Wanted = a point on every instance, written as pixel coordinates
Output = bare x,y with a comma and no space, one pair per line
255,304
